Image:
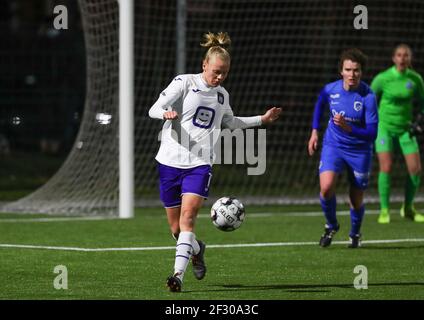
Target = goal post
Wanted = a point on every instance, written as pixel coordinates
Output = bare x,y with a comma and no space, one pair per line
126,108
181,32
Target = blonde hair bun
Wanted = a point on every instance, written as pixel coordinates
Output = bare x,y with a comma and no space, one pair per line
220,39
217,45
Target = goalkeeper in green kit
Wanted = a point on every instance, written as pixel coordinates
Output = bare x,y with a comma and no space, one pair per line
397,88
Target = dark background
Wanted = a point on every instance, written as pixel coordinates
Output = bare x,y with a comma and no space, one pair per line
42,78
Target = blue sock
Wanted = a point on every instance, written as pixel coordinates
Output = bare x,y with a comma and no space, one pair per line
356,217
329,209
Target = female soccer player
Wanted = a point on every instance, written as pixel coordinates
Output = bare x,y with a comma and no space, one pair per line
347,143
397,87
195,106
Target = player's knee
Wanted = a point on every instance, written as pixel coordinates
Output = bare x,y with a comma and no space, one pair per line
386,167
415,169
188,214
356,199
356,204
356,194
327,188
327,192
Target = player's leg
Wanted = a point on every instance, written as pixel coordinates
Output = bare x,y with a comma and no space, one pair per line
197,184
411,153
385,161
357,211
170,180
191,204
359,171
328,181
186,243
195,189
173,215
413,164
384,149
330,167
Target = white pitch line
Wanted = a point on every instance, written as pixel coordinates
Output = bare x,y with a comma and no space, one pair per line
236,245
24,246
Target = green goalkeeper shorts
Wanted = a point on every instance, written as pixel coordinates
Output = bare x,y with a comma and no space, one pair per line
386,141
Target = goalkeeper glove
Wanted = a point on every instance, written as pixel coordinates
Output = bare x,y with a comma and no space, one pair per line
417,127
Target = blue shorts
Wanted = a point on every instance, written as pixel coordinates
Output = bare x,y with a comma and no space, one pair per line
174,182
357,163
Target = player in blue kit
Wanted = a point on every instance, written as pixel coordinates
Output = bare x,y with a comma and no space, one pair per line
347,143
195,106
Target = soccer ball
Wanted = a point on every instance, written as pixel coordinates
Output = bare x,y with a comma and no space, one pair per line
227,214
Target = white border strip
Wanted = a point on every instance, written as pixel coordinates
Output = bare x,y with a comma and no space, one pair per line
236,245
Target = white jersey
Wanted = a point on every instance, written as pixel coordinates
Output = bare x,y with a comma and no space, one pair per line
188,141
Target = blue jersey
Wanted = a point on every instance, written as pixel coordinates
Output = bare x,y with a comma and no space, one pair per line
358,107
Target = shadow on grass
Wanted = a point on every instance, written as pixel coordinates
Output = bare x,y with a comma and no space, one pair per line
301,287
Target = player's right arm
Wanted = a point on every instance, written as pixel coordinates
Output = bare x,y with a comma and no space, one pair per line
162,108
313,142
318,111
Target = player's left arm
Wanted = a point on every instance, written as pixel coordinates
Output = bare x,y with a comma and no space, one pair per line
419,84
232,122
367,132
271,115
417,126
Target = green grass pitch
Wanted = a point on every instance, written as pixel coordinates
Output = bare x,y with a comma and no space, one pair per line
289,265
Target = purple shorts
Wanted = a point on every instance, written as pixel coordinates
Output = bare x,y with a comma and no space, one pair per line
174,182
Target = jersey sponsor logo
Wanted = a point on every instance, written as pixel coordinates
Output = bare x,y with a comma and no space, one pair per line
178,78
357,106
335,96
220,97
203,118
409,85
196,90
342,113
334,112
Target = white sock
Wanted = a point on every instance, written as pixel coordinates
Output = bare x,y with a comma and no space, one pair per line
184,252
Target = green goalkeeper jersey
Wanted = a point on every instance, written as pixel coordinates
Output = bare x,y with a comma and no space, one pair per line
397,92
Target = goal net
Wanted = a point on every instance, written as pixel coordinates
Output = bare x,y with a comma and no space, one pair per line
283,52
